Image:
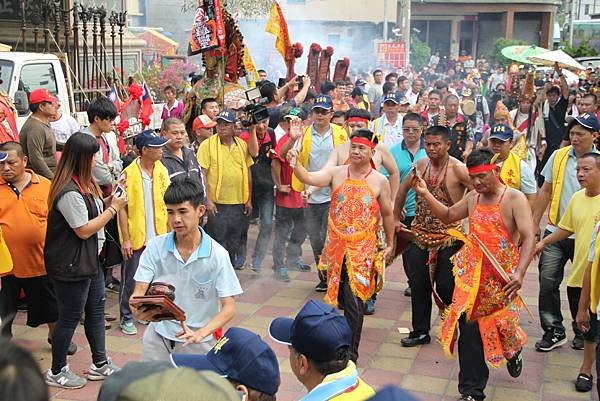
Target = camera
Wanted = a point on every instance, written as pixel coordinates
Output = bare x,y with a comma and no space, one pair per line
256,110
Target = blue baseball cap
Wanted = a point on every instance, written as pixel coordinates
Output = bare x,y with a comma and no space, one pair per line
392,393
392,97
323,102
502,132
239,355
318,331
586,120
227,115
150,139
3,156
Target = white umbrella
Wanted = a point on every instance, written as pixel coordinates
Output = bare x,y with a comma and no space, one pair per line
557,56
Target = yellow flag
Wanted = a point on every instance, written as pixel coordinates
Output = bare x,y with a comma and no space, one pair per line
251,73
277,25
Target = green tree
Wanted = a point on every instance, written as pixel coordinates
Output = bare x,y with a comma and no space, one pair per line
496,55
583,50
419,53
247,9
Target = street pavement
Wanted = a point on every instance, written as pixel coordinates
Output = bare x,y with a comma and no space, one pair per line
424,371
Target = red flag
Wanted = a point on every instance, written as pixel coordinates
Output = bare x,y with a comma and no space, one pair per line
147,110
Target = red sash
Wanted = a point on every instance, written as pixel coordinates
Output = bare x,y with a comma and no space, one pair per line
525,124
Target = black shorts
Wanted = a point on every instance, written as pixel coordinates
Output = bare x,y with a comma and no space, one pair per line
39,295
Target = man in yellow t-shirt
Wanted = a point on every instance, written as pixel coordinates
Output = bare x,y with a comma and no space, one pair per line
580,218
225,163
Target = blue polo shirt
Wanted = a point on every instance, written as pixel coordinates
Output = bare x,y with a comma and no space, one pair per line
320,148
199,282
570,183
405,160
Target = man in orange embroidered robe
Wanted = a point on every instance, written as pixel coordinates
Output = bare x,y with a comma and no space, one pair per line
353,256
485,306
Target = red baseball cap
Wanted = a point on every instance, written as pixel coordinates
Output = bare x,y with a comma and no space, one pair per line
203,121
41,95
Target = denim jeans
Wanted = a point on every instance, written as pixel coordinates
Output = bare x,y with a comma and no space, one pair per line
552,270
73,298
316,216
289,229
265,202
128,269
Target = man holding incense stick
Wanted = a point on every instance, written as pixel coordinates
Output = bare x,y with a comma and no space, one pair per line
488,274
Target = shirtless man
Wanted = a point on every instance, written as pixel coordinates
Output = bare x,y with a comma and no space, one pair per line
352,256
499,218
359,119
447,178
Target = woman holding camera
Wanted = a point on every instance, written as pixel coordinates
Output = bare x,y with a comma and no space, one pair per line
74,238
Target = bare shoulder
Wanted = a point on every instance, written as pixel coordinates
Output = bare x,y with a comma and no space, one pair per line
455,164
515,197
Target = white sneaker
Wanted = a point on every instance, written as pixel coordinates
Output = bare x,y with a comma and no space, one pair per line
65,379
95,373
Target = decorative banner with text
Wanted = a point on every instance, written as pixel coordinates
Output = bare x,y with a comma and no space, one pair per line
392,54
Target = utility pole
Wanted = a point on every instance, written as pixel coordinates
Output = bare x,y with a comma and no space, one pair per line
571,19
406,28
385,21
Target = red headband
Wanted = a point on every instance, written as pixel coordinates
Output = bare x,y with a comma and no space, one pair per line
482,169
363,141
358,120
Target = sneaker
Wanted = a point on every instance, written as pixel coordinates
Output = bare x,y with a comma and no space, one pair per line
577,342
100,373
465,397
550,341
72,347
112,287
300,266
128,328
584,383
370,306
515,365
415,339
255,266
281,274
407,292
65,379
321,287
239,267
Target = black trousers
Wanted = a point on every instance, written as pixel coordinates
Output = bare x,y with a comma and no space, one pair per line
227,226
354,311
316,216
420,284
474,372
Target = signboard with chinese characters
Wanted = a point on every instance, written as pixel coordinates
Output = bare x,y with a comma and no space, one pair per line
392,54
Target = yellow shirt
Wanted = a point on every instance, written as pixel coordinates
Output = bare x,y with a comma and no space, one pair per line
581,216
231,191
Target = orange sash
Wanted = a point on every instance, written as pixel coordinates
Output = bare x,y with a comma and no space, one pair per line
478,289
352,239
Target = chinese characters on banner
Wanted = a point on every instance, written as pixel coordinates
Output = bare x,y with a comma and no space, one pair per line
392,54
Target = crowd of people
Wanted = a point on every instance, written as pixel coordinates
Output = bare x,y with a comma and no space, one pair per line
442,167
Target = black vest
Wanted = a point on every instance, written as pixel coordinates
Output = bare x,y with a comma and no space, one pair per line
68,257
